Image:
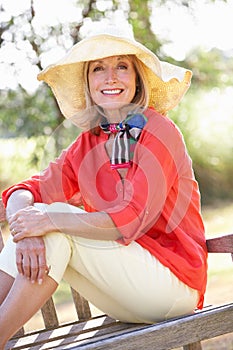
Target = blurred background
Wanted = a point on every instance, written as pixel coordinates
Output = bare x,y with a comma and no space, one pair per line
194,34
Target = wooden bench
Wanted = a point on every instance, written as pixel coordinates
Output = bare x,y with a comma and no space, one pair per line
102,332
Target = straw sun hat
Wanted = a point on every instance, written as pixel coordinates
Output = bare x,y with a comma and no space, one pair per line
166,83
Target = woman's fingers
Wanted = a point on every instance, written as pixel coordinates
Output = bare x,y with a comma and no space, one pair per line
43,268
18,236
31,259
19,260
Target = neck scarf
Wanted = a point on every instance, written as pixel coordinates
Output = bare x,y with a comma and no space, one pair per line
127,134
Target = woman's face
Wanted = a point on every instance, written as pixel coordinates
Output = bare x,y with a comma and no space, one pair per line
112,82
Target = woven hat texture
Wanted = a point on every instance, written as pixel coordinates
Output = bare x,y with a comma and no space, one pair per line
167,83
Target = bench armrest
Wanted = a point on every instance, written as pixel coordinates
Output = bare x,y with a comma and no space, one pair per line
221,244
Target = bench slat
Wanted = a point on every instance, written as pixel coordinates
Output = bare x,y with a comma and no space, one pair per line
193,346
49,314
81,305
166,335
66,333
103,333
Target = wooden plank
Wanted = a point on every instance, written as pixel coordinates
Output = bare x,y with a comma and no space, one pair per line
193,346
165,335
67,335
67,331
104,333
20,332
222,244
81,305
49,314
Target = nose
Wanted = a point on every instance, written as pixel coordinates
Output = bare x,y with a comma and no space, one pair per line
111,76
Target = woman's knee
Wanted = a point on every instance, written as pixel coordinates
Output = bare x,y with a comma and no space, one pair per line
58,248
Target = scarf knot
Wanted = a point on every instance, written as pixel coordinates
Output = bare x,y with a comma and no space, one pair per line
127,134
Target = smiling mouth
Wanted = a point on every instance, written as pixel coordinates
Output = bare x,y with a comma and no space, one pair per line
112,92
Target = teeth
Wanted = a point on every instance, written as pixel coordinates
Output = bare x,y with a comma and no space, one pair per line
112,92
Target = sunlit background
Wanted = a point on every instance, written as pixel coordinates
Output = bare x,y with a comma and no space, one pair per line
206,25
195,33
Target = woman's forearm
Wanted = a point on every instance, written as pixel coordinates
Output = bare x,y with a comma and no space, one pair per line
32,222
97,225
18,200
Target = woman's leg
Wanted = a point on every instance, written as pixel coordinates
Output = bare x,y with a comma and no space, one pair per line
130,284
23,300
19,298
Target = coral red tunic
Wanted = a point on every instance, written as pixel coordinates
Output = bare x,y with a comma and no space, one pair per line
157,204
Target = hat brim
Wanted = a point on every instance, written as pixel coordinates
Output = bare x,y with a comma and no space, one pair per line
166,83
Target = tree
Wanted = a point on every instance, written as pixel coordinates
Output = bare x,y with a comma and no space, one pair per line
23,108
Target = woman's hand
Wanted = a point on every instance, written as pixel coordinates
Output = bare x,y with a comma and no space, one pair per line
31,260
29,222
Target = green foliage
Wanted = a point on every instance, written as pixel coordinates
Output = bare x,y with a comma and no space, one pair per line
210,68
22,157
14,160
206,121
27,115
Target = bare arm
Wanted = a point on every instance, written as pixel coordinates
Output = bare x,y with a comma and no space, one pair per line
32,222
26,221
97,225
18,200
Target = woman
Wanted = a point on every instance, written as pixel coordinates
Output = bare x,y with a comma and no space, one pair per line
137,251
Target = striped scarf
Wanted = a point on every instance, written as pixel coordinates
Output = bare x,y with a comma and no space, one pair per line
127,134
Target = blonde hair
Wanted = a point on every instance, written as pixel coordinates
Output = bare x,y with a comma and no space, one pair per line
141,97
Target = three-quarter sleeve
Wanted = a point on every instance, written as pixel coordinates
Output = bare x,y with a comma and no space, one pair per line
57,183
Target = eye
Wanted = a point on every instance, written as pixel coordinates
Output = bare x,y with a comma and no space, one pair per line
97,68
122,66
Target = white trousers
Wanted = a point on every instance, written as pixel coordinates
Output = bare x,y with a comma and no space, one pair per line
125,282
